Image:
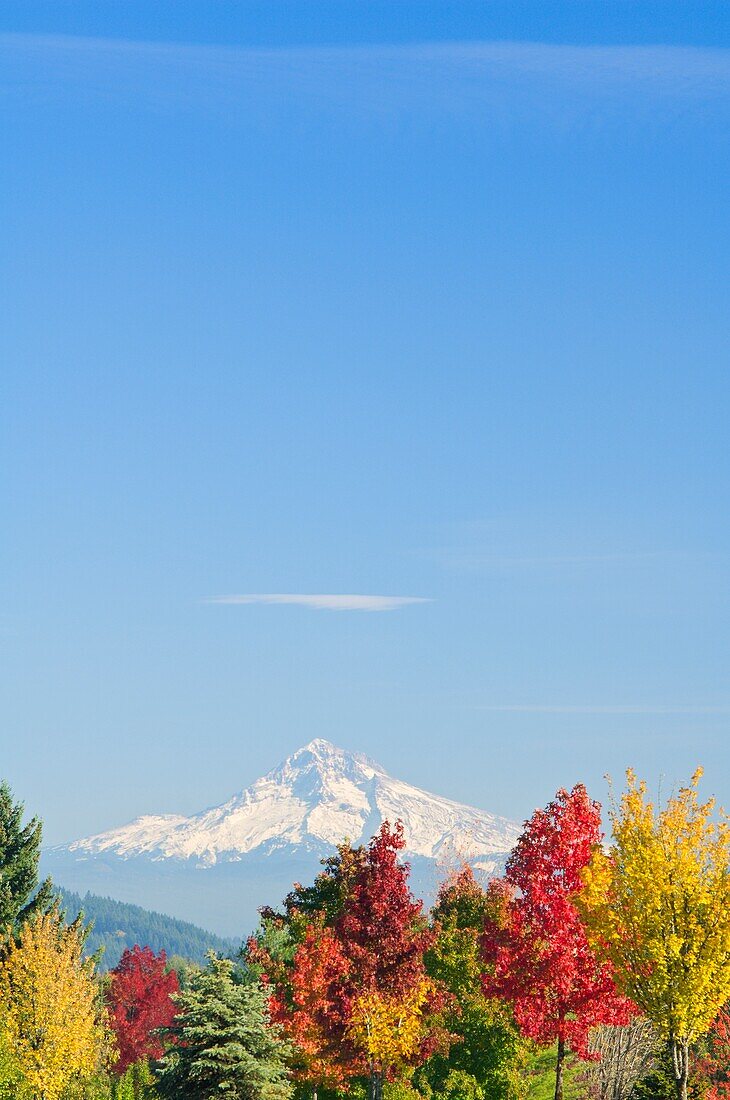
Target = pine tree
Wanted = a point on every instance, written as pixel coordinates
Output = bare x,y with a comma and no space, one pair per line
19,855
223,1043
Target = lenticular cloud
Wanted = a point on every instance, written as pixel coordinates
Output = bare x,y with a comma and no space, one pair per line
324,602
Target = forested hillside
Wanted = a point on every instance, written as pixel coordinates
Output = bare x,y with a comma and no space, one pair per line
117,925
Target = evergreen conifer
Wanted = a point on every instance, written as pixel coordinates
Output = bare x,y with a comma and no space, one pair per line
222,1042
20,847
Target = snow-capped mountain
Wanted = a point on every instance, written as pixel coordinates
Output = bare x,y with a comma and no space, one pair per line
218,865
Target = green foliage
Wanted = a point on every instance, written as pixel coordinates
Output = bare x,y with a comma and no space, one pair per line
280,932
540,1076
486,1062
20,845
184,968
98,1087
399,1090
223,1044
136,1083
660,1083
116,925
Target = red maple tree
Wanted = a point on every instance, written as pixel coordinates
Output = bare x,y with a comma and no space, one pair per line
375,944
536,949
140,1002
381,928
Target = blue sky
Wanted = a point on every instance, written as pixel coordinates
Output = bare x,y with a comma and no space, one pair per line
419,300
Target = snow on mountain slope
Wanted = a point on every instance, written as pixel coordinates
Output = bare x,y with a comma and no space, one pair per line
316,798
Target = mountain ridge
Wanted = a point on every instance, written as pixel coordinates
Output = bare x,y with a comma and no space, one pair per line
320,794
281,825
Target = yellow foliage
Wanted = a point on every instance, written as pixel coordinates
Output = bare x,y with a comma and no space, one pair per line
50,1003
389,1030
657,904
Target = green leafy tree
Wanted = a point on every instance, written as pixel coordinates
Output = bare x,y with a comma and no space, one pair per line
223,1043
136,1082
272,949
487,1060
20,846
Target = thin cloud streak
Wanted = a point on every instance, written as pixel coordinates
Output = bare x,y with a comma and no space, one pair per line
448,77
323,602
620,708
495,561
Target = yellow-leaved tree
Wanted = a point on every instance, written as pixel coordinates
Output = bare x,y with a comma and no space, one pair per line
657,906
52,1017
10,1079
389,1030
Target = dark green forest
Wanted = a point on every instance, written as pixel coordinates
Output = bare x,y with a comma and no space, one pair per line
116,925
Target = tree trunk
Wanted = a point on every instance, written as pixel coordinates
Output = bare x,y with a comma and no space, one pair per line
375,1090
559,1070
680,1061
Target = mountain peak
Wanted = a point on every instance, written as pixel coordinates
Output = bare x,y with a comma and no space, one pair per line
275,832
316,798
327,759
320,749
321,746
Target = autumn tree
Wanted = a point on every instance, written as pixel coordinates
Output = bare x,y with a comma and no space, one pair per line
536,951
329,892
10,1076
384,936
390,1030
487,1058
297,954
20,846
139,998
358,957
658,910
222,1042
53,1019
311,1008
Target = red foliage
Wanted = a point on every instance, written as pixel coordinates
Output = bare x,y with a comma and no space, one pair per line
536,950
714,1067
313,1007
381,929
376,944
139,1001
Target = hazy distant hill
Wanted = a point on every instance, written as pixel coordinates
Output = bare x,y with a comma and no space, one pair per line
117,925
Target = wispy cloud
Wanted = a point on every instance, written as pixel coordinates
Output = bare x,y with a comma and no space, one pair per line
476,560
601,708
323,602
498,78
